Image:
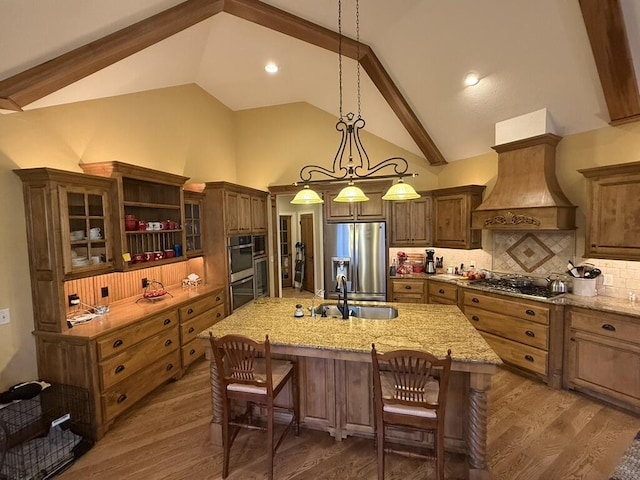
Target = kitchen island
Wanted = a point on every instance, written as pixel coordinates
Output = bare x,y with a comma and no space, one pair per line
334,358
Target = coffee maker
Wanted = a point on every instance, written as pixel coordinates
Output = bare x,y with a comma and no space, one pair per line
430,267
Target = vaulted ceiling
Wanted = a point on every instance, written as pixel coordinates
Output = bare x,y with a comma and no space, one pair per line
576,58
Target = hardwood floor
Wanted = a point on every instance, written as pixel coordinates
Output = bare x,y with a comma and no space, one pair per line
534,432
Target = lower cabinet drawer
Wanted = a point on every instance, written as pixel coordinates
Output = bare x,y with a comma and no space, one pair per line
191,328
523,356
442,290
126,393
442,301
125,364
192,351
609,325
408,298
522,331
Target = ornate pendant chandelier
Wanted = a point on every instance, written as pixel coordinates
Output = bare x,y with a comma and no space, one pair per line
351,161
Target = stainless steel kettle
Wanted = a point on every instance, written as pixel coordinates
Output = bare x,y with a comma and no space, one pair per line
556,285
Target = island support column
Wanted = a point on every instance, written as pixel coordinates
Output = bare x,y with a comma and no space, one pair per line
477,443
215,427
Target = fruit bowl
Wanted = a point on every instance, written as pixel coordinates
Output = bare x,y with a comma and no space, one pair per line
154,291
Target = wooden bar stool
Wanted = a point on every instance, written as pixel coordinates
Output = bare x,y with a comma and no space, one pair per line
410,391
249,374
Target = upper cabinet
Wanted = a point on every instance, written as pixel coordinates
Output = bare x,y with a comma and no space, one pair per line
411,222
613,212
373,210
452,209
193,224
259,222
149,208
70,235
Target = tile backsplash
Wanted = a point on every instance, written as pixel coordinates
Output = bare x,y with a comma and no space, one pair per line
537,254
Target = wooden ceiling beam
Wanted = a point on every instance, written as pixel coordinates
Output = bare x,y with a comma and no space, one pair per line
37,82
607,33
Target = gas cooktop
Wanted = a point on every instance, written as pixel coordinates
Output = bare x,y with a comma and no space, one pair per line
502,285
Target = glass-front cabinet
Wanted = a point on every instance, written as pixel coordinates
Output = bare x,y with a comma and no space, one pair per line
86,229
193,222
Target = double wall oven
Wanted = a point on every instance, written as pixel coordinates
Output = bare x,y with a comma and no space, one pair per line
248,269
241,280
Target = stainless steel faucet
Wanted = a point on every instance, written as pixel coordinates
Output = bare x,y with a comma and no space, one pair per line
341,280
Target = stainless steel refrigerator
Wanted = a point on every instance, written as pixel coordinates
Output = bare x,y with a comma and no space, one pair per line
358,250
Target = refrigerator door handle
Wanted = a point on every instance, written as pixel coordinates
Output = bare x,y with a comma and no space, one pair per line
355,286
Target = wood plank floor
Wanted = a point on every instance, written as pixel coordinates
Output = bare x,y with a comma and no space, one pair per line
534,433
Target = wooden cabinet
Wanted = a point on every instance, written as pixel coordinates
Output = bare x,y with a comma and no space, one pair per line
526,334
155,200
120,366
235,207
452,209
259,222
196,317
193,224
442,292
411,222
603,356
61,208
375,209
613,223
408,290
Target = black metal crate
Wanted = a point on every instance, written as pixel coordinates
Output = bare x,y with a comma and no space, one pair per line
42,436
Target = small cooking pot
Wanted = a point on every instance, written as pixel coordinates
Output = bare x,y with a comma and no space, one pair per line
556,285
517,281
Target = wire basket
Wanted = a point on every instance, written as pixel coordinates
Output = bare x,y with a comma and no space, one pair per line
44,435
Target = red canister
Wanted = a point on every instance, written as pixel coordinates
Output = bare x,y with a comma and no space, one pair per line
130,223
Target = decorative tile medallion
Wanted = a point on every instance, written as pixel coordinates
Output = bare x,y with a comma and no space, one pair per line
538,253
530,253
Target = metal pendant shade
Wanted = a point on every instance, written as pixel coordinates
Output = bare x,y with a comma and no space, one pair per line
401,191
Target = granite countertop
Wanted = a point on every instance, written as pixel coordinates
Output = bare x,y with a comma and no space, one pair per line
434,328
599,302
133,309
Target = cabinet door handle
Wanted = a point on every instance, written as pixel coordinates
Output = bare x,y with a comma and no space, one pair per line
167,343
573,339
167,321
531,313
529,333
117,343
217,299
528,358
121,398
170,367
609,327
119,368
475,318
441,291
191,330
475,300
407,287
218,315
192,351
190,311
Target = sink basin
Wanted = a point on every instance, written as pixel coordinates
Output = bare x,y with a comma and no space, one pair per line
361,311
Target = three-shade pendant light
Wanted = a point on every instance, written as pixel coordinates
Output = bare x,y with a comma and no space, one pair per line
351,161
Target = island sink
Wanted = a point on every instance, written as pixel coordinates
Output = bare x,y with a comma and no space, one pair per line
359,311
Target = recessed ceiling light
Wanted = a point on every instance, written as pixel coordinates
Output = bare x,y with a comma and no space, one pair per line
471,79
271,68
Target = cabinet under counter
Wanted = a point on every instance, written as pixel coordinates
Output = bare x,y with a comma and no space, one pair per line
123,356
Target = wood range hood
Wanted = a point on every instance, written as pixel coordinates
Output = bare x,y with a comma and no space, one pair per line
527,195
